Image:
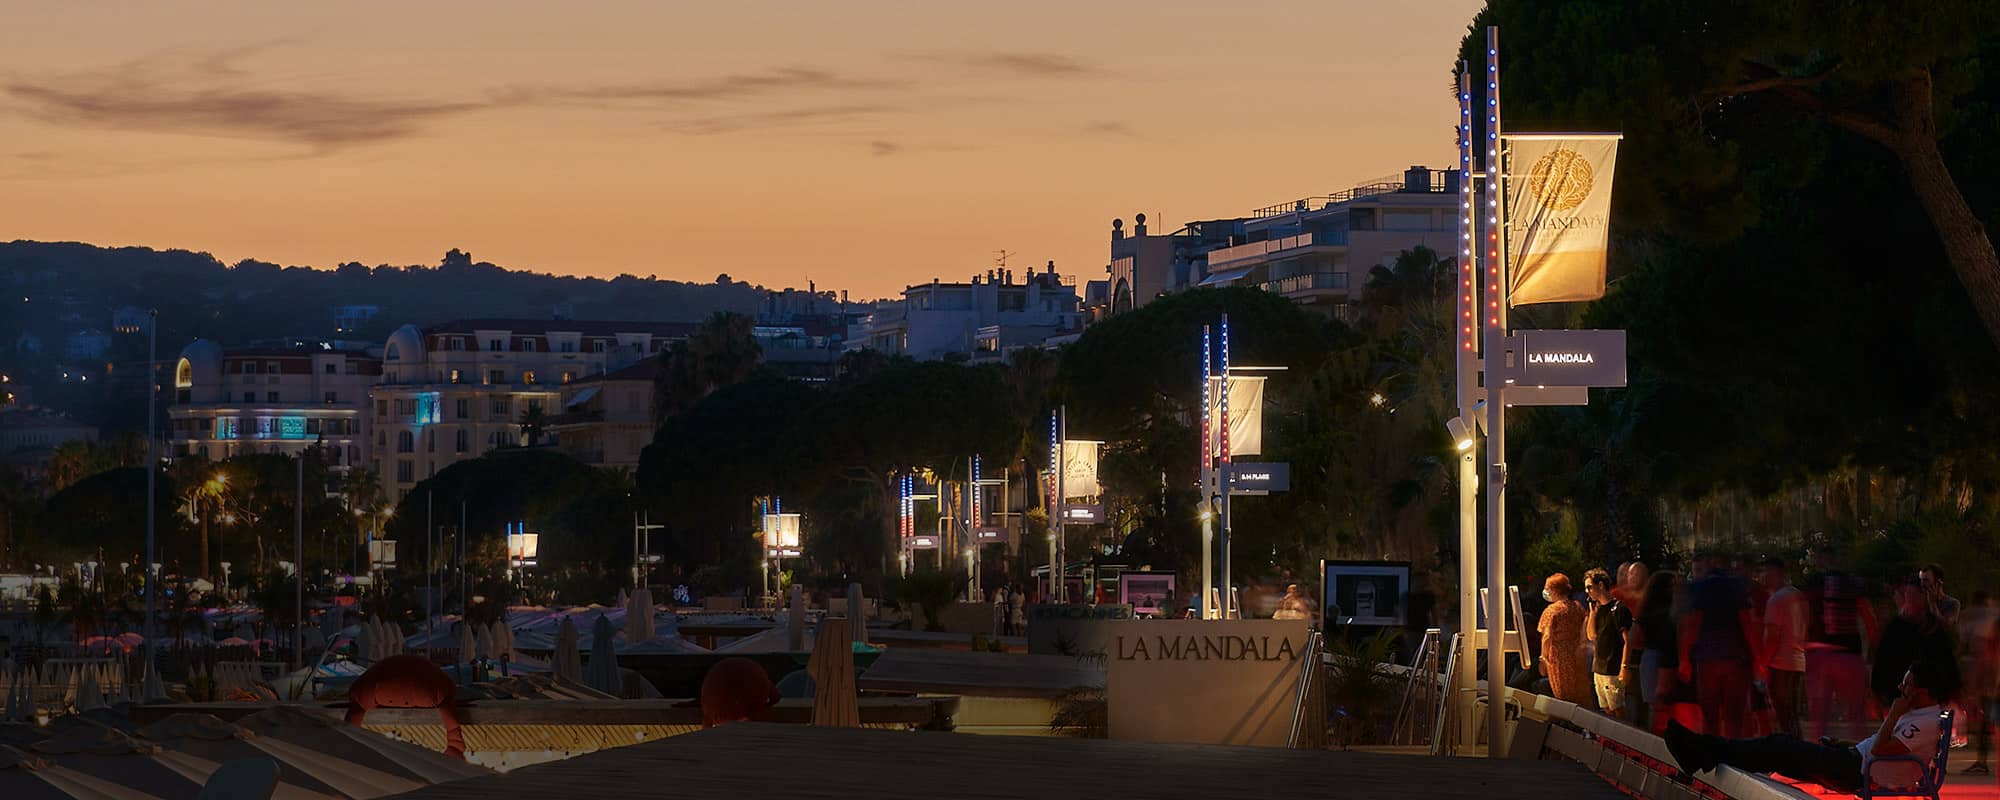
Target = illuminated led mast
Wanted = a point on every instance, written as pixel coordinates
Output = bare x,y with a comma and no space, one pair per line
1207,477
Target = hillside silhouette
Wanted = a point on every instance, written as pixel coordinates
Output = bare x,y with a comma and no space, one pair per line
69,287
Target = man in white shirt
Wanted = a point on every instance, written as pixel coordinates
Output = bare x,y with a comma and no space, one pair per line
1784,643
1911,729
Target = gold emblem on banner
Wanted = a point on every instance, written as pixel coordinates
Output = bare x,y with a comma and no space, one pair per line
1561,180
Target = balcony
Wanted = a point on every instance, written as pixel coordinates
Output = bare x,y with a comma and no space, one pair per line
1309,285
1224,257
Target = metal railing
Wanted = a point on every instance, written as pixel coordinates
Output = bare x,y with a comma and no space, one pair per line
1312,281
1385,185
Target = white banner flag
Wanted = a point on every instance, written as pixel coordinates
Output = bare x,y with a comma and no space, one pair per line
1558,215
1080,470
1246,415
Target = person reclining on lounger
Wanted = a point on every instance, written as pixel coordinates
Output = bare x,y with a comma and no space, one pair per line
1911,729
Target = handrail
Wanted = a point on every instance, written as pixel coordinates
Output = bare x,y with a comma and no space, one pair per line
1309,669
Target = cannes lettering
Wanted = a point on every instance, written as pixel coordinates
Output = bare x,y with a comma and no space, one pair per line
1562,358
1205,648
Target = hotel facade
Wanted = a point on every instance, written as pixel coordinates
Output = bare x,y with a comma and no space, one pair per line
457,390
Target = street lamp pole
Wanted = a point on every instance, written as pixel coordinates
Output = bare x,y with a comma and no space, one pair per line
152,472
1496,405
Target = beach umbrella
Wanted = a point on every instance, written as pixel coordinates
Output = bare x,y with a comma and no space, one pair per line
152,690
567,661
639,616
88,695
364,642
831,666
603,675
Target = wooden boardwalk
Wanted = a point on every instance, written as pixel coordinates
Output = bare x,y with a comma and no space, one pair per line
753,760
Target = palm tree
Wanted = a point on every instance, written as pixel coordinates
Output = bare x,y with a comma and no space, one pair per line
69,462
724,352
533,422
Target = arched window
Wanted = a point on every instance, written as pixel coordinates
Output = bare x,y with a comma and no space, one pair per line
393,353
184,374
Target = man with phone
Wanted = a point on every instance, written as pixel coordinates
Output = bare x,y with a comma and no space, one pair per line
1912,728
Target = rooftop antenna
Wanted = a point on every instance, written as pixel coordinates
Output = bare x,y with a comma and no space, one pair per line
1002,260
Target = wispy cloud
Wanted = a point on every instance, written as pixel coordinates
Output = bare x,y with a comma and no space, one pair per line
788,117
1018,63
209,96
212,93
1104,127
725,87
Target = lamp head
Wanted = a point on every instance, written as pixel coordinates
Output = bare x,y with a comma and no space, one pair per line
1461,436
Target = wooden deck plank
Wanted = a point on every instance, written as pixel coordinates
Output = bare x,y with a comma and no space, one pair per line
746,760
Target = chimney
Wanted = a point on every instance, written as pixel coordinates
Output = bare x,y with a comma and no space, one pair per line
1117,230
1139,225
1052,267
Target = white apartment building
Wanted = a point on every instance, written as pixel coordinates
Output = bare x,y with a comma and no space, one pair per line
607,420
1315,250
271,400
454,391
983,318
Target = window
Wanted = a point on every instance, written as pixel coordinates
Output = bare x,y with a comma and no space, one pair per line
503,407
206,424
270,397
534,406
497,345
457,343
204,451
597,345
225,427
406,471
353,454
527,376
271,367
332,368
430,441
249,397
462,440
393,353
494,376
568,346
249,367
527,345
568,376
381,438
381,408
405,442
332,398
495,439
353,368
456,375
462,411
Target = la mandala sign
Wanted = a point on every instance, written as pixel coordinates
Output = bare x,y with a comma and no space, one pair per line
1205,648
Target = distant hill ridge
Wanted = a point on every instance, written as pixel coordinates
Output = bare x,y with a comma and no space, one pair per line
65,287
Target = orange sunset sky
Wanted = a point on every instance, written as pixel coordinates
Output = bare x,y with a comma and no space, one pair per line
865,145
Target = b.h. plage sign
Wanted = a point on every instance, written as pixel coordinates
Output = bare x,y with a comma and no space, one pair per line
1204,681
1569,358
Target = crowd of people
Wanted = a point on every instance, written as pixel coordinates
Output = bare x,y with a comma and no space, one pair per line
1746,658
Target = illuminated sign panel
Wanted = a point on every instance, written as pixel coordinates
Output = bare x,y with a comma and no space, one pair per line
1254,478
1082,514
291,427
1569,358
